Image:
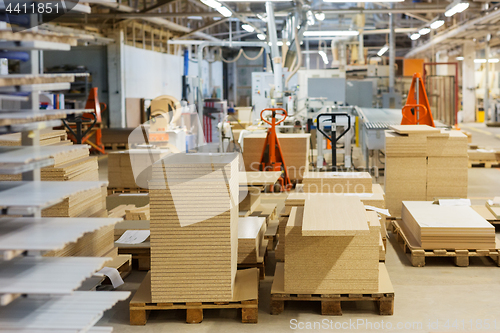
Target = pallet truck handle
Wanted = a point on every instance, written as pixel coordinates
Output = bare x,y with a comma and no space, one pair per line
274,110
332,117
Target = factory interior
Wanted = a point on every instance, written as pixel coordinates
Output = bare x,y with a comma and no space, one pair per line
250,166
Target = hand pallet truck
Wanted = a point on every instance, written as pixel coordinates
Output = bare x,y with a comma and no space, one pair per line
332,137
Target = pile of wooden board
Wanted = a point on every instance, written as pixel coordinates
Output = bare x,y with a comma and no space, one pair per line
434,226
250,238
295,148
494,207
140,213
332,253
123,164
337,182
483,156
375,198
250,201
423,163
47,137
194,227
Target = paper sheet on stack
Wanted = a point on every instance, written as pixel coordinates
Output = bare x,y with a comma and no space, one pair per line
250,237
194,227
341,248
423,163
433,226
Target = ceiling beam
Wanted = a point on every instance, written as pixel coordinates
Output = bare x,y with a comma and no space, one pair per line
158,4
213,24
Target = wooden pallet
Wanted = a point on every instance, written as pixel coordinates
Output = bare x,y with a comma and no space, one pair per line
245,297
331,303
116,146
484,164
113,190
418,255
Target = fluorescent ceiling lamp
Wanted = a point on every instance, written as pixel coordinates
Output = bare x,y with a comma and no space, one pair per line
383,50
424,31
455,8
320,16
279,43
248,27
483,61
331,33
195,18
262,17
257,0
436,24
310,18
224,11
459,58
261,36
216,18
415,36
323,56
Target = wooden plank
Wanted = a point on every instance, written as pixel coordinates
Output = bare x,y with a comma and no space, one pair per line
256,178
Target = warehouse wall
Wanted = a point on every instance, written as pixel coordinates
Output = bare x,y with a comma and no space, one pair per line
93,57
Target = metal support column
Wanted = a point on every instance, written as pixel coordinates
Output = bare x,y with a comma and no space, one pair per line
392,52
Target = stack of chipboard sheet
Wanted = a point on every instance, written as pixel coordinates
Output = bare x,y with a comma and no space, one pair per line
194,227
123,164
341,248
121,210
434,226
337,182
250,201
86,204
47,137
295,148
140,213
494,207
423,163
250,237
483,154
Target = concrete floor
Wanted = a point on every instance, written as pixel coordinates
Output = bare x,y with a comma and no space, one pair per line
428,299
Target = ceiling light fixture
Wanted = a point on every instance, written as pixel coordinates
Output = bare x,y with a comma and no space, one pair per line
415,36
331,33
261,36
436,24
483,61
223,10
320,16
310,18
424,31
459,58
363,1
198,18
383,50
262,17
247,27
456,7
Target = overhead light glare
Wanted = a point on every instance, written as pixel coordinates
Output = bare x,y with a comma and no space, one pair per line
363,1
198,18
483,61
262,17
247,28
310,18
456,7
415,36
424,31
261,36
437,24
320,16
383,50
459,58
224,11
323,56
331,33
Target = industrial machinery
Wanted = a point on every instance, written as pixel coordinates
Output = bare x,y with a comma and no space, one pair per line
417,110
272,156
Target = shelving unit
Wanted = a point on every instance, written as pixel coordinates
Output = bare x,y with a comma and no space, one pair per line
48,284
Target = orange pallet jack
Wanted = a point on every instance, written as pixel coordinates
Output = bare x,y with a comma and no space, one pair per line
417,110
91,121
272,156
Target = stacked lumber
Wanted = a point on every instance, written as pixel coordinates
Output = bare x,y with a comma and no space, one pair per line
295,148
483,155
337,182
251,232
433,226
121,211
494,207
297,199
423,163
342,249
123,164
250,202
194,227
86,204
140,213
47,137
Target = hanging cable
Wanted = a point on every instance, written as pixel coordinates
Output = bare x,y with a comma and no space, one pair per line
254,58
232,60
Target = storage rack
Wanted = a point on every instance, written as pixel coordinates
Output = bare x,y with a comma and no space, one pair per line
47,284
